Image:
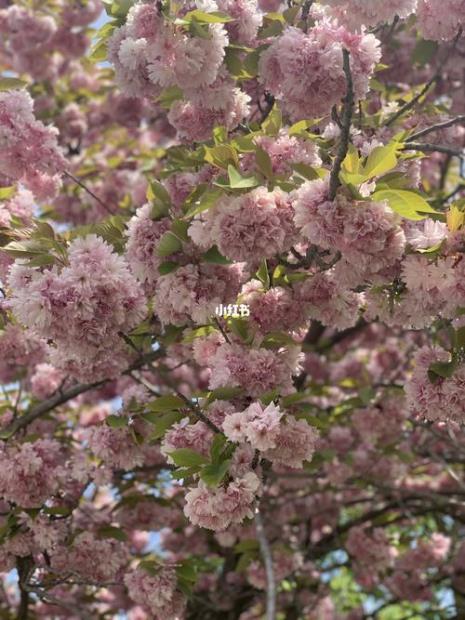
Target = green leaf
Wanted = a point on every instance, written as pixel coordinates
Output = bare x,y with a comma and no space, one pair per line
221,156
112,230
351,162
166,403
424,52
248,544
240,328
408,204
263,274
167,267
217,447
7,192
264,162
116,421
199,332
299,128
149,566
220,134
109,531
185,457
187,571
441,370
206,201
118,8
161,422
460,337
156,190
168,244
215,17
199,29
223,393
99,52
184,472
236,181
168,96
382,159
214,473
213,255
179,228
11,83
273,122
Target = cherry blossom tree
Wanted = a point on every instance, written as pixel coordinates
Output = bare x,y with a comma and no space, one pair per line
232,335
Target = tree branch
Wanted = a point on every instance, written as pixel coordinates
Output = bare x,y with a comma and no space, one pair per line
268,562
457,120
346,120
89,191
64,396
434,148
411,104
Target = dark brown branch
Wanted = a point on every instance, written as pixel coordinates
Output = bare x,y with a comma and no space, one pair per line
346,120
64,396
411,104
89,191
444,125
268,562
434,148
305,13
23,566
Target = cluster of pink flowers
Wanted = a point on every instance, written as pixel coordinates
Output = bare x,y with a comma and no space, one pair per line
295,443
45,380
367,234
359,13
39,43
435,398
116,447
440,20
372,552
156,593
274,309
257,371
409,580
150,53
305,71
196,436
143,234
80,558
21,206
328,301
82,307
218,508
191,293
284,564
260,427
194,121
19,353
246,20
29,150
31,472
284,151
256,225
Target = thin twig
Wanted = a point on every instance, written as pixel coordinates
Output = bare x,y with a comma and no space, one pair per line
434,148
64,396
345,130
305,13
457,120
268,562
222,330
89,191
410,104
193,406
